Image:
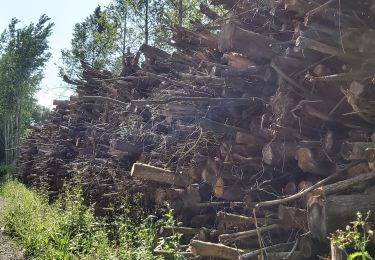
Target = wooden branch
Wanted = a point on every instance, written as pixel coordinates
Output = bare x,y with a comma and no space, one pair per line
230,238
217,101
152,173
307,190
171,230
253,255
361,180
207,249
308,43
227,220
104,99
353,75
209,125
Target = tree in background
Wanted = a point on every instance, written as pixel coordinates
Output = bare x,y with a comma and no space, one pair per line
104,36
39,114
23,54
94,41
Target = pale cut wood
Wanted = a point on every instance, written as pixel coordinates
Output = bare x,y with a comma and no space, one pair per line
152,173
207,249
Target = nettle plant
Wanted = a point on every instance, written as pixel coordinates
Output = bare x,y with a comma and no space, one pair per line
355,238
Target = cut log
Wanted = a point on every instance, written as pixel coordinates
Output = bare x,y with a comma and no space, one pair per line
325,215
152,173
278,153
207,249
313,161
234,38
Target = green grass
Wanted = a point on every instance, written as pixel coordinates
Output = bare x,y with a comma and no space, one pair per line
67,229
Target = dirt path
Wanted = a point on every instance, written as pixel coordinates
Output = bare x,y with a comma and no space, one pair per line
7,249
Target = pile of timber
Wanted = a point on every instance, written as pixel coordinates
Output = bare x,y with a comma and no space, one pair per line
259,131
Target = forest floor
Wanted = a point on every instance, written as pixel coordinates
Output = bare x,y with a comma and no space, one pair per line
8,250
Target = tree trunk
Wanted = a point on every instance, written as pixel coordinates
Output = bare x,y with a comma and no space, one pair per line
146,22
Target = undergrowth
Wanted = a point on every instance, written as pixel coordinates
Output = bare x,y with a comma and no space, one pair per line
67,229
354,239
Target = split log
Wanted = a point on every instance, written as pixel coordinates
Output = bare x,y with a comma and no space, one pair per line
207,249
325,215
234,38
152,173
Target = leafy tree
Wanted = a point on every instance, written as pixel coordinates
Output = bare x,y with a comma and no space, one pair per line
94,41
23,54
39,114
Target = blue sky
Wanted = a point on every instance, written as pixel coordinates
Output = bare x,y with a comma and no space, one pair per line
64,13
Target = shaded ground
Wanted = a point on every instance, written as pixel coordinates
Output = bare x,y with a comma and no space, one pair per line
8,251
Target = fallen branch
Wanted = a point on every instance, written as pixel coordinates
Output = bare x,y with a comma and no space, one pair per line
304,192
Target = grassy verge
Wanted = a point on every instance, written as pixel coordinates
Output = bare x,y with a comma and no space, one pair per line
67,229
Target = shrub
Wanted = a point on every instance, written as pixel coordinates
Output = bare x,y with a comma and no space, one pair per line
354,239
67,229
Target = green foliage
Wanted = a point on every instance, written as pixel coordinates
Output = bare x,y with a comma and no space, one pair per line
356,237
101,39
39,114
67,229
23,54
94,41
171,243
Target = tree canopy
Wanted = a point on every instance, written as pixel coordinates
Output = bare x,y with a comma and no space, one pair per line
23,54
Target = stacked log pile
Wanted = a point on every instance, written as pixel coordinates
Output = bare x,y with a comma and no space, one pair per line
259,131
